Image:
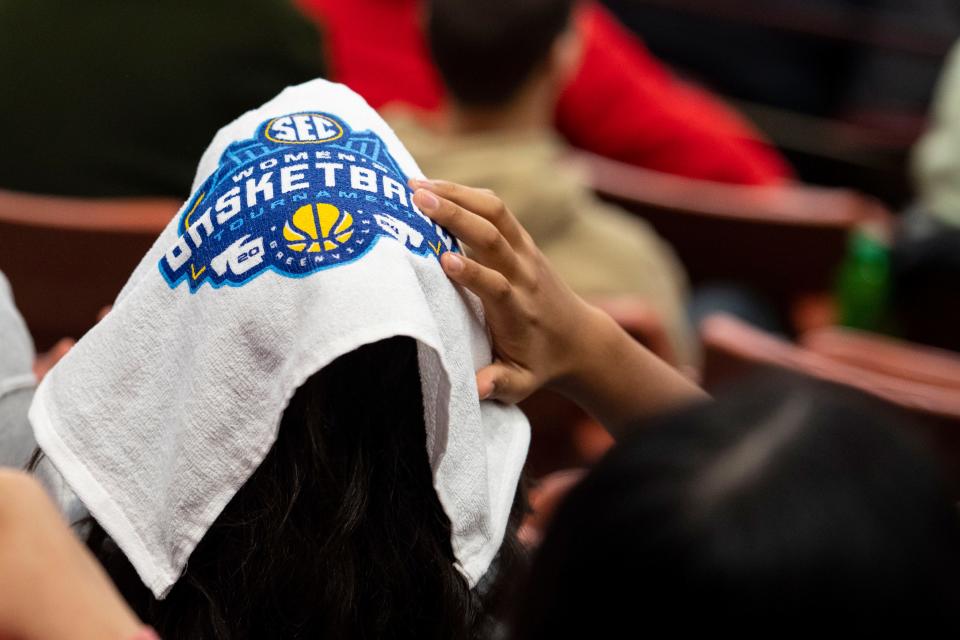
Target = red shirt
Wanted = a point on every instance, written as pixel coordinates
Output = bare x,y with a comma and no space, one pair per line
622,103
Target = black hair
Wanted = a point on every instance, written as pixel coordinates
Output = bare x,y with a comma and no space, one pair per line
338,533
926,293
487,50
780,508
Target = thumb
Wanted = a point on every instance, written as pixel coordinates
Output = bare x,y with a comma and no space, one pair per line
505,382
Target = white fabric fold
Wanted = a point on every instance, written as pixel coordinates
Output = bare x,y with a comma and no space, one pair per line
299,244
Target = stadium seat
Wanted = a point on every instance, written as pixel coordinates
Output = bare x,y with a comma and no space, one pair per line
733,348
66,258
831,132
886,355
785,242
852,22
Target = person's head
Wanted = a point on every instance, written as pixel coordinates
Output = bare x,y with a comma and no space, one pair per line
337,534
926,296
776,509
492,53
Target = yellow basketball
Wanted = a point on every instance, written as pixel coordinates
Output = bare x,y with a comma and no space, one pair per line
318,227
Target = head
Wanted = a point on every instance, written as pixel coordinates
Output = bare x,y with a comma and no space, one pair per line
925,293
494,54
781,507
338,533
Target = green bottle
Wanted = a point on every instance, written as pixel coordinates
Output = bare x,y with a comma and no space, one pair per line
864,283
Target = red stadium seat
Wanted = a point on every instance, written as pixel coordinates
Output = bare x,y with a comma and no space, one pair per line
784,241
66,258
888,356
733,348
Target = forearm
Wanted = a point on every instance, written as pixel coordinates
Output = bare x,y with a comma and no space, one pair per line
50,585
543,333
618,380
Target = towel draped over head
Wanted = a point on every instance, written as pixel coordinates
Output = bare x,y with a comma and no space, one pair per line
299,244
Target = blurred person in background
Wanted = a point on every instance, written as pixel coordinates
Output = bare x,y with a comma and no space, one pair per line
926,256
503,64
621,102
781,507
936,161
116,98
17,382
20,371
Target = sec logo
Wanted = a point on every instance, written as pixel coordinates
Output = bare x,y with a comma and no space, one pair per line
306,193
303,128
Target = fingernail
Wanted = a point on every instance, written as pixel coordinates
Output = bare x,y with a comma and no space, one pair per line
484,395
427,200
451,262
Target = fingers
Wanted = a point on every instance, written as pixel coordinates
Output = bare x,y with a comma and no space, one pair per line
491,286
482,202
480,234
505,382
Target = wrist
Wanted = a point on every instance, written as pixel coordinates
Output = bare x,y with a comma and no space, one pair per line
595,339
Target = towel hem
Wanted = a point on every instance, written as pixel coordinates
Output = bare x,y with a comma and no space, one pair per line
97,501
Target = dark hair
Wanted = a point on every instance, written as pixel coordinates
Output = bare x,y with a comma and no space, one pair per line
486,50
776,509
338,534
926,293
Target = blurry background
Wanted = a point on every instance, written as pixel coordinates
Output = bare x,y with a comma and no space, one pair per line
843,87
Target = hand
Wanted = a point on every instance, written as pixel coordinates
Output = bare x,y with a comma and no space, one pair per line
46,361
536,321
543,333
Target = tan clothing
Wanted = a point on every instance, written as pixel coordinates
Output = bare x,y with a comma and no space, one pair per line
936,160
597,248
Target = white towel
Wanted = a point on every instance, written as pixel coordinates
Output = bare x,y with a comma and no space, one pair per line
299,244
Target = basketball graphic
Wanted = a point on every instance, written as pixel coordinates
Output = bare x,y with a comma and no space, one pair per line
266,208
318,227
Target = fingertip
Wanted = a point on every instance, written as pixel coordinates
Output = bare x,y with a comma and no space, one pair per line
426,200
487,392
485,387
452,263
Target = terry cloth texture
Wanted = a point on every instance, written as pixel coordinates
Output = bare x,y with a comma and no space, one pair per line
299,244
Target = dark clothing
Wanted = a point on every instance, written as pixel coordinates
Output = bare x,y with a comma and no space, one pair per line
926,281
121,97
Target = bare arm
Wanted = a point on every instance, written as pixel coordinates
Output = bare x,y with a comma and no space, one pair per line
544,335
50,586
